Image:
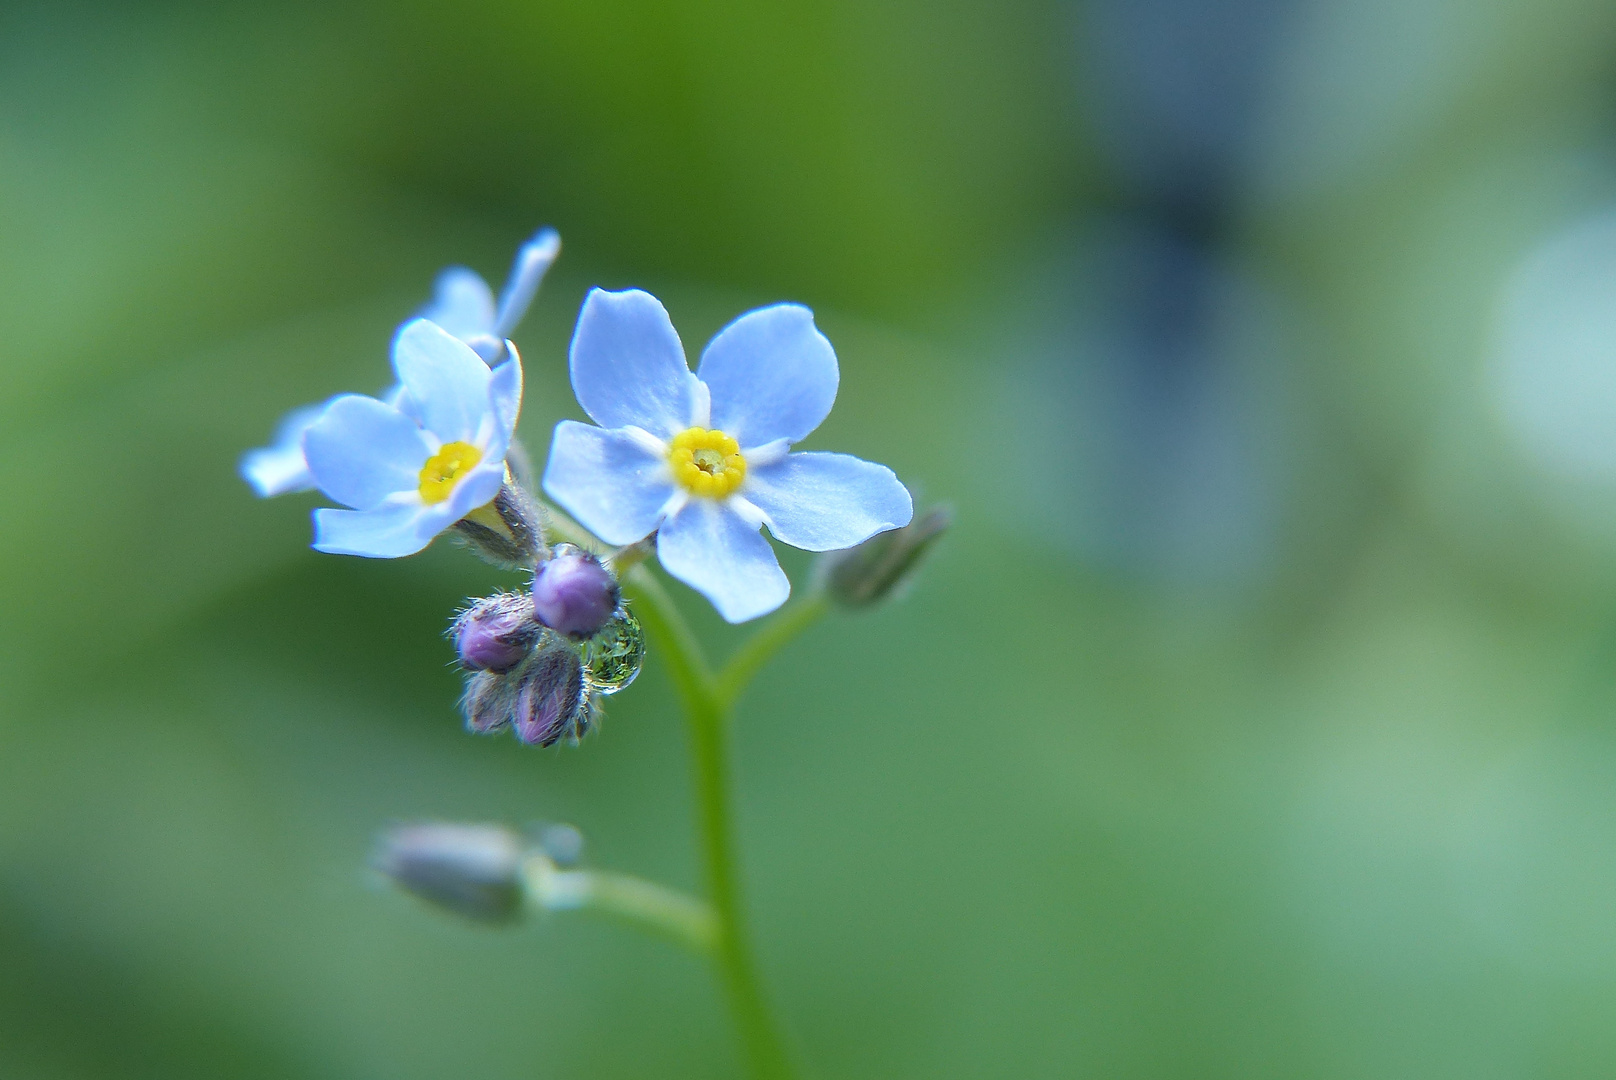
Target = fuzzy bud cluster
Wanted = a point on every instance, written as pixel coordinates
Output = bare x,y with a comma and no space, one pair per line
538,660
542,700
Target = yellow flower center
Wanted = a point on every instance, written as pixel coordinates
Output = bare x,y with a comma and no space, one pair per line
707,462
447,468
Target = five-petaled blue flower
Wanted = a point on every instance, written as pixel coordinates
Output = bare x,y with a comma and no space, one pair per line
412,469
703,459
464,305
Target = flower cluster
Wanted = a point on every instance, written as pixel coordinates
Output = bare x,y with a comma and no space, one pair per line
696,464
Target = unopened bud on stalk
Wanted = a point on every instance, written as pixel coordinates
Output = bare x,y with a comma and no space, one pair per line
471,870
496,633
874,570
574,594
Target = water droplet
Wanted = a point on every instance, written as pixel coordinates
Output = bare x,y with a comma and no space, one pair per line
616,653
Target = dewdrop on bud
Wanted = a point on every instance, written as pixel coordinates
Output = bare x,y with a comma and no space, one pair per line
471,870
616,653
552,701
574,594
874,570
495,633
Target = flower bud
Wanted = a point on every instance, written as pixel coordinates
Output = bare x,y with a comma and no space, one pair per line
489,701
496,633
872,571
552,702
471,870
574,594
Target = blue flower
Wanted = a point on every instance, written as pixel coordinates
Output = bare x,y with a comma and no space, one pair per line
462,304
703,459
411,473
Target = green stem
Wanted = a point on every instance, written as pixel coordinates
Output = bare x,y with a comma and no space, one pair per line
707,714
683,918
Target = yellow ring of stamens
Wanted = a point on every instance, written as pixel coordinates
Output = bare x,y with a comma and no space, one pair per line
447,468
706,462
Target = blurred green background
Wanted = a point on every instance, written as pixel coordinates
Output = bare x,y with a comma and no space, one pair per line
1258,719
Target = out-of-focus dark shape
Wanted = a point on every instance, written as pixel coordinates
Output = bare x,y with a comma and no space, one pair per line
1174,90
1155,443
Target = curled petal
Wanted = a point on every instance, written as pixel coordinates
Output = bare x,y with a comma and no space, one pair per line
772,375
608,480
628,367
361,451
505,398
532,261
445,379
824,502
462,304
713,550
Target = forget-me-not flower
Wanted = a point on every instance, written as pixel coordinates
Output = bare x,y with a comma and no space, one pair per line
703,459
464,305
410,474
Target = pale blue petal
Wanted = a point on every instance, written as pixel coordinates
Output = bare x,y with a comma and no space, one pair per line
772,375
611,484
823,502
505,399
710,548
628,367
461,303
399,398
279,468
387,532
489,349
447,382
361,451
527,272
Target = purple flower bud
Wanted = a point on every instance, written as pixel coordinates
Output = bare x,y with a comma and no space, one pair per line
574,594
552,703
496,633
489,702
471,870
